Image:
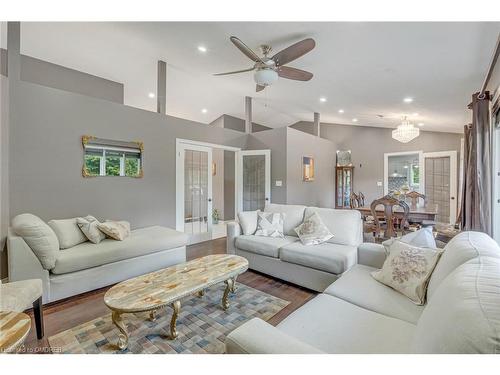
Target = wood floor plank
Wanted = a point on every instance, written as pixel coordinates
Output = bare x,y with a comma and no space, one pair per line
65,314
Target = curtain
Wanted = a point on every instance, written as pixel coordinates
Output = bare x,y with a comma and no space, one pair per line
476,205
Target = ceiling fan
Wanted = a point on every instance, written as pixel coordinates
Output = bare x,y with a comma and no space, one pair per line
268,69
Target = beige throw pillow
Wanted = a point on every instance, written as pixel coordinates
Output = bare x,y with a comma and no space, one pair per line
117,230
89,227
248,221
68,233
408,269
313,231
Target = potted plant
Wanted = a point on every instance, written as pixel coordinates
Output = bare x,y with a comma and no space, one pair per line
215,216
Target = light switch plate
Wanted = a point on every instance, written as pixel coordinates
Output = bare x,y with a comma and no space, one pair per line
279,183
379,183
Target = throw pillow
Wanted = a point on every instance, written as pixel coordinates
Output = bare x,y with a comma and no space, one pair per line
248,221
408,269
68,233
270,225
117,230
313,231
39,237
89,227
421,238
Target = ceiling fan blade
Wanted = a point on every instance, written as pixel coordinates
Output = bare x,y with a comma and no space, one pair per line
259,88
245,49
294,51
235,72
294,73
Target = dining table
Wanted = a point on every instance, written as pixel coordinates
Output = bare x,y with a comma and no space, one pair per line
417,213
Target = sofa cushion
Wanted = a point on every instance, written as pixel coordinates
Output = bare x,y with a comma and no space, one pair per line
140,242
39,237
293,216
328,257
117,230
462,248
421,238
268,246
269,224
88,226
345,225
464,313
358,286
313,231
336,326
68,232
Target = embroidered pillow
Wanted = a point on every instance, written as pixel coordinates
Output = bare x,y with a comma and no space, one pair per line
312,231
117,230
89,227
421,238
408,269
248,221
269,224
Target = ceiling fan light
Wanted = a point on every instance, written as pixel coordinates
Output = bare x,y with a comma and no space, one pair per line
265,77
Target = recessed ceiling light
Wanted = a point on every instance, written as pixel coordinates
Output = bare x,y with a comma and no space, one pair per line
354,120
204,110
420,124
408,100
341,111
322,99
202,49
151,95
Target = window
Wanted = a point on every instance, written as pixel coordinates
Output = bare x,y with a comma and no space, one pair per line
111,158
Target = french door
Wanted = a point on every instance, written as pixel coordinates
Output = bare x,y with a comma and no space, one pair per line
441,184
254,179
194,189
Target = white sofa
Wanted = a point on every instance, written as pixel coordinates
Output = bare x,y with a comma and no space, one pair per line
357,314
314,267
89,266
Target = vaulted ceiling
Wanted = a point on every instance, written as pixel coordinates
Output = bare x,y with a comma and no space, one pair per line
365,69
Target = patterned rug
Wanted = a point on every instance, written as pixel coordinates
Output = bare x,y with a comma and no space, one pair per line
202,325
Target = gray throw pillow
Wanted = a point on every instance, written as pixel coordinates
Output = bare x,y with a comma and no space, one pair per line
39,237
89,227
68,233
270,224
248,221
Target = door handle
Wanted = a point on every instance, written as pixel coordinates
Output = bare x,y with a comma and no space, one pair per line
267,199
452,198
210,199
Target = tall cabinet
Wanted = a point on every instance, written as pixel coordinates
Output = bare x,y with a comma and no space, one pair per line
343,186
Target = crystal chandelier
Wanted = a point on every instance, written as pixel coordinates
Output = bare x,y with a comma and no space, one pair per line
405,132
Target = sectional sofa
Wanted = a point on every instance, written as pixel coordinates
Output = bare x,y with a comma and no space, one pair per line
357,314
314,267
88,266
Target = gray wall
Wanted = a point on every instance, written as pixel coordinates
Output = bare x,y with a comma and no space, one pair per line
229,184
368,145
321,191
275,140
46,162
235,123
59,77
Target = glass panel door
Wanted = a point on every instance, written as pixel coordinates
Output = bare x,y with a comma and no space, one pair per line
437,186
255,179
197,193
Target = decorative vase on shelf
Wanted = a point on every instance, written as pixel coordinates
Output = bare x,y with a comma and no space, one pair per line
215,216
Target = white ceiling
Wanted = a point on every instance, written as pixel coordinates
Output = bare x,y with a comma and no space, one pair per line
364,68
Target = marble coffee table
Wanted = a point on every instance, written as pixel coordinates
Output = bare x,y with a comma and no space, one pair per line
150,292
14,327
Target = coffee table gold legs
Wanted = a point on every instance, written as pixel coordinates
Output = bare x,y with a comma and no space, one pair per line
177,308
229,288
116,317
152,315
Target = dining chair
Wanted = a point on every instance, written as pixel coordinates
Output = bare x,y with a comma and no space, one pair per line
361,199
415,196
390,223
354,200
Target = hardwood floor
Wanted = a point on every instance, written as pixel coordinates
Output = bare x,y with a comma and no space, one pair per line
65,314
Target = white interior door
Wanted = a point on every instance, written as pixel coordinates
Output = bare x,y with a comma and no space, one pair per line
194,191
254,179
441,184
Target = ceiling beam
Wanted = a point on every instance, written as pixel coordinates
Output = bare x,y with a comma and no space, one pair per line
317,124
161,88
248,114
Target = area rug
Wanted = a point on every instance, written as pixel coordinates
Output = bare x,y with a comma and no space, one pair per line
202,325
